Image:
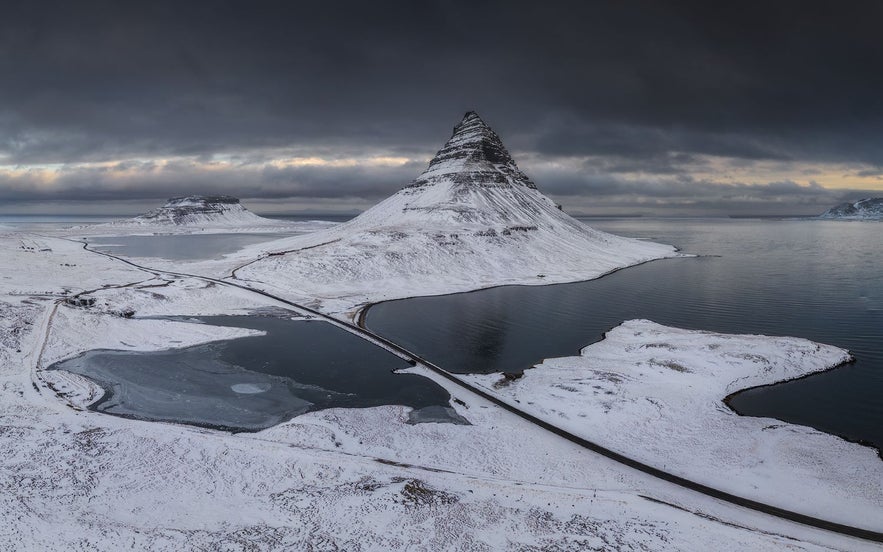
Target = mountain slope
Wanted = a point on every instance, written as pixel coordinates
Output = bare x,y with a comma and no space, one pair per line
472,219
869,208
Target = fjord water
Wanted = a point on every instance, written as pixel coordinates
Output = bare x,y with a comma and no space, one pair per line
255,382
821,280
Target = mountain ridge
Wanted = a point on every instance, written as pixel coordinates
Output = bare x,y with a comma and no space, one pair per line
869,208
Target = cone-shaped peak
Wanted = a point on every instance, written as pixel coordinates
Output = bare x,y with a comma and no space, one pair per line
470,117
474,155
474,136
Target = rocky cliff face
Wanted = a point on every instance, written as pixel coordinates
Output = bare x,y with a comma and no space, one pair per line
868,208
474,156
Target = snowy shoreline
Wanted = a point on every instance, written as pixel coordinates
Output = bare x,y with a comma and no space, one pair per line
358,313
861,442
360,319
655,393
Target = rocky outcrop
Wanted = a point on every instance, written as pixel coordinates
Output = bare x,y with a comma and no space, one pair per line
474,156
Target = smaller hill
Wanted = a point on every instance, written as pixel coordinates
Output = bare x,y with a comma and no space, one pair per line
205,213
870,208
201,211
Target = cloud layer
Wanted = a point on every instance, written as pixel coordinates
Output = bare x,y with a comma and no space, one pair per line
667,106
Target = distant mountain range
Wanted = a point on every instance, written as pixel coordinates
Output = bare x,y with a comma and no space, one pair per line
870,208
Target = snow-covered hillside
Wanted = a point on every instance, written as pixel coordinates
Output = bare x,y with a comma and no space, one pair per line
199,212
870,208
471,220
658,393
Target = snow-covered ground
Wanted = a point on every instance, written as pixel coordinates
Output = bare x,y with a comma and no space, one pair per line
336,479
657,393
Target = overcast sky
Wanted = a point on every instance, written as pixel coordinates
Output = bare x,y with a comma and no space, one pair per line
617,107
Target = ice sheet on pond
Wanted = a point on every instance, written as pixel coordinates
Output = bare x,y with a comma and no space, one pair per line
255,382
180,246
193,386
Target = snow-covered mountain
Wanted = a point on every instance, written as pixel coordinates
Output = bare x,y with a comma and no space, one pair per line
471,220
200,211
869,208
472,181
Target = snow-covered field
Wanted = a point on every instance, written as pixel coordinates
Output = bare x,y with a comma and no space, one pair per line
656,394
336,479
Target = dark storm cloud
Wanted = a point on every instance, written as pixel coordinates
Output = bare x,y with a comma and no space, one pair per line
639,82
146,181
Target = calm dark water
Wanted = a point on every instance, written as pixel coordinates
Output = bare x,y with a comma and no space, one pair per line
310,217
252,383
821,280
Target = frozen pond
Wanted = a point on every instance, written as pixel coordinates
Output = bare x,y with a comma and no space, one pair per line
252,383
819,280
178,247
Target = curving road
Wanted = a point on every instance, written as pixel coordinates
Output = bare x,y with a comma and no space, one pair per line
414,359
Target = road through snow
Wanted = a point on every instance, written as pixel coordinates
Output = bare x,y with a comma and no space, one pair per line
819,523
